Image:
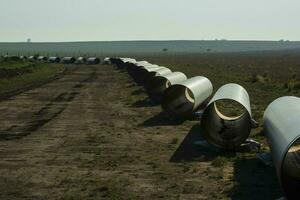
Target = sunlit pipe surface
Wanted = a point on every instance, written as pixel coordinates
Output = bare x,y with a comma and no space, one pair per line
159,83
139,72
124,61
93,61
68,60
146,72
282,128
132,67
42,58
150,75
184,98
32,58
107,61
23,57
54,59
223,131
81,60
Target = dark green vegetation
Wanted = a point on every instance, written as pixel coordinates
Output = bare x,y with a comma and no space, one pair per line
118,48
94,134
16,76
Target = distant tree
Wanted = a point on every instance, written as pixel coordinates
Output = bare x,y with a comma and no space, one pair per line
208,50
165,50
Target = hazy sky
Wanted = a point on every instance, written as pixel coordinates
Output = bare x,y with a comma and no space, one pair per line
101,20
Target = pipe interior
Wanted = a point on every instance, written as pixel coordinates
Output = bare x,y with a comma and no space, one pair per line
228,109
290,171
226,124
179,100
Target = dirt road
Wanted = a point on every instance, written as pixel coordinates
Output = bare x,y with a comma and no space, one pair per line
92,134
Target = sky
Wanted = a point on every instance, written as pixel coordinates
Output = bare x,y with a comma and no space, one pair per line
115,20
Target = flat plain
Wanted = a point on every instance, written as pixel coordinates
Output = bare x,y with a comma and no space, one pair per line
90,132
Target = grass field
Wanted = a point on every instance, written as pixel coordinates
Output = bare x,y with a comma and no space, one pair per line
93,133
16,76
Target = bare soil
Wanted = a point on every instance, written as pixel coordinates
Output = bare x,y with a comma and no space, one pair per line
94,134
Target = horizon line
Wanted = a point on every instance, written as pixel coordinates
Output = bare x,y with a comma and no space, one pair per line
184,40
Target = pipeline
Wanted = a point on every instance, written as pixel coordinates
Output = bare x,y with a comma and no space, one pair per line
227,130
81,60
184,98
93,61
161,82
68,60
282,129
42,58
54,59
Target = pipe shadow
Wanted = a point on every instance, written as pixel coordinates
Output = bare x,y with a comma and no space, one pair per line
189,151
138,92
163,119
147,102
254,180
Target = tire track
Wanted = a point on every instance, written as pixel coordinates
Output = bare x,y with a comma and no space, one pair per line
48,112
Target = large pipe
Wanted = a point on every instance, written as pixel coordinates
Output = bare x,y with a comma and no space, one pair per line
161,82
132,67
81,60
68,60
23,58
32,58
42,58
93,61
227,130
139,72
54,59
145,73
281,123
107,61
184,98
121,62
151,74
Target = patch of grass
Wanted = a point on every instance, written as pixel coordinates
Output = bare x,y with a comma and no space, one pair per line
40,72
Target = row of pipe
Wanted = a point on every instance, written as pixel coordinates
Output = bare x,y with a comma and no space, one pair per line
64,60
182,96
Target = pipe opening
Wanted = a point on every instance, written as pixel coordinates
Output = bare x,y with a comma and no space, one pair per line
229,109
226,123
179,100
290,171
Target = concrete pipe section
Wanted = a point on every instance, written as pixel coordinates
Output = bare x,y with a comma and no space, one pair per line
93,61
282,128
129,62
107,61
81,60
122,62
132,68
158,84
157,72
42,58
144,73
23,58
54,59
183,99
68,60
32,58
141,71
226,121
